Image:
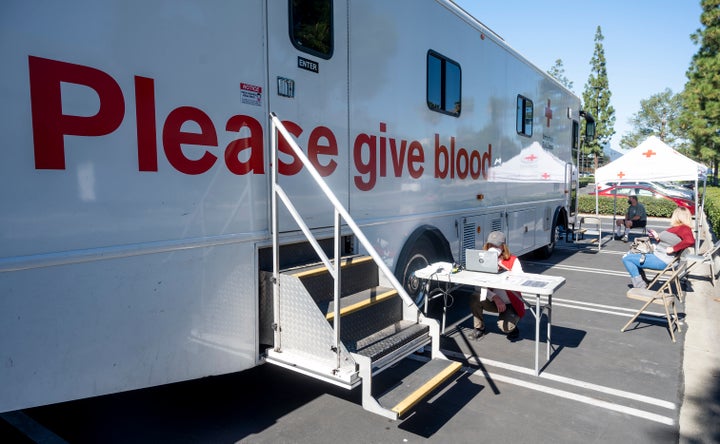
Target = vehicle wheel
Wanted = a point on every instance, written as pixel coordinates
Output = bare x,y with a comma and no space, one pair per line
547,251
421,254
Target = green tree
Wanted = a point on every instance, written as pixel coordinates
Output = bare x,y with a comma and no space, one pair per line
596,100
558,71
702,91
659,116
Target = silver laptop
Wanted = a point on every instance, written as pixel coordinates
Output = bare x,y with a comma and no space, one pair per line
485,261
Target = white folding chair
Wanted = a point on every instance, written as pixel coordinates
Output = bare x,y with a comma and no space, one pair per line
706,258
664,296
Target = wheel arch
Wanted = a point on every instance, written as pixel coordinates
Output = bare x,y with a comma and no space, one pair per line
425,245
433,235
559,219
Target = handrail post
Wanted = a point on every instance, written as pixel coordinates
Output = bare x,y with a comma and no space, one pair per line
337,287
275,240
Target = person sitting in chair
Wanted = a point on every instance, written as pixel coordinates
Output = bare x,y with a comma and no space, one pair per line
671,242
508,304
636,217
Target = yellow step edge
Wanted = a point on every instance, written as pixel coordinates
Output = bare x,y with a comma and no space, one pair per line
406,404
323,269
362,304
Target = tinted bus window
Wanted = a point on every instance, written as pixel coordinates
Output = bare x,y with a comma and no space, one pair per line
524,123
444,80
311,27
575,134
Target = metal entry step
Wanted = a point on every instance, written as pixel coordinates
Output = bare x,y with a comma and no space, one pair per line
418,385
408,390
377,330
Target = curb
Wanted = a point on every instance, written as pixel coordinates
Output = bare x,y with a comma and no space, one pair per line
700,410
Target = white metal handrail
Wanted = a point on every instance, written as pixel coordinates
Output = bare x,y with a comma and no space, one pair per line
340,213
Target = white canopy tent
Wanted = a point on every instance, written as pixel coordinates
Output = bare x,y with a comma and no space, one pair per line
532,164
652,160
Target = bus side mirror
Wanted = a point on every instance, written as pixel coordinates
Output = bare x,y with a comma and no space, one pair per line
589,131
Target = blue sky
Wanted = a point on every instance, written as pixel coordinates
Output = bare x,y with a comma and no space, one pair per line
647,42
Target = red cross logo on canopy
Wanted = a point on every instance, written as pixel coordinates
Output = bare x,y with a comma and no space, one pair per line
621,175
531,157
649,153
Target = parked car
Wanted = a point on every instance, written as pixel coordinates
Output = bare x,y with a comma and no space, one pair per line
623,191
688,190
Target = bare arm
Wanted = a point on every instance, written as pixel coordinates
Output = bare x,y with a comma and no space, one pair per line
499,303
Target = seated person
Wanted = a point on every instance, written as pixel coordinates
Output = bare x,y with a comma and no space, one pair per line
636,217
507,304
671,242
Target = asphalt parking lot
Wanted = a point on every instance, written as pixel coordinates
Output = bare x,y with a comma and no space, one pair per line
600,384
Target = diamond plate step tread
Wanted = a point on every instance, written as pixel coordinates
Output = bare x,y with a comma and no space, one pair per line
418,384
389,339
357,301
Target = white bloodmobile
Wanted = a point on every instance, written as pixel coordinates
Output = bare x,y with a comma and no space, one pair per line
137,231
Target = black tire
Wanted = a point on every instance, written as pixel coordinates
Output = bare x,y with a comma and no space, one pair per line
547,251
421,254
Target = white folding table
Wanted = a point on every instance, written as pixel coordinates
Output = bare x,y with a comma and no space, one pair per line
527,284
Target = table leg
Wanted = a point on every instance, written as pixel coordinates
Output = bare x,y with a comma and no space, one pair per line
538,315
425,288
444,316
549,324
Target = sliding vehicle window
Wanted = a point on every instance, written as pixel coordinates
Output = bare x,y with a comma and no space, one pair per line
524,121
443,84
311,26
575,134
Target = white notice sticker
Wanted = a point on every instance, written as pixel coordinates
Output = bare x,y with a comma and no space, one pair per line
251,94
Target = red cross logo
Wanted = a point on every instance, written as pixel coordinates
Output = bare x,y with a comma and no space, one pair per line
621,175
531,157
548,113
649,153
546,176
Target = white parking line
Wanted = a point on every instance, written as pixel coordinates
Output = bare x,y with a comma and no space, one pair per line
615,311
581,305
565,380
592,248
616,407
582,269
587,400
